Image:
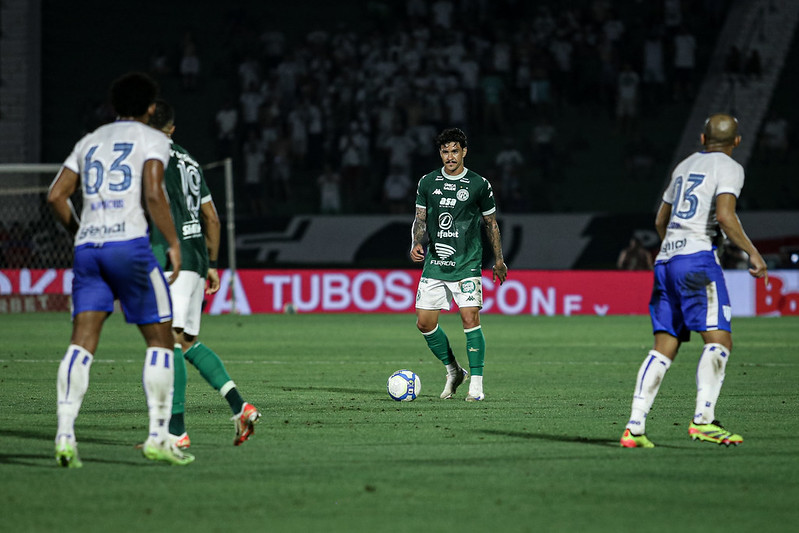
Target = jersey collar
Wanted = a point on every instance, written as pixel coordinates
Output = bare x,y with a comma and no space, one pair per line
455,177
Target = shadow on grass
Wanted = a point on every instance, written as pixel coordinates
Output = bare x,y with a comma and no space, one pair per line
607,443
46,461
342,390
554,438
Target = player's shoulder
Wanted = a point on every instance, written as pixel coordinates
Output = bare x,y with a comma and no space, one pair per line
431,177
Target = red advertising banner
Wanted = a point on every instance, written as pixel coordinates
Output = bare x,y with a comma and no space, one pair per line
535,292
528,292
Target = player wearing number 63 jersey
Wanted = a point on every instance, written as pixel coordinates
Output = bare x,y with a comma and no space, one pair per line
117,166
689,293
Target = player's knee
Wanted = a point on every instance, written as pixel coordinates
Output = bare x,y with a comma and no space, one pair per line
425,326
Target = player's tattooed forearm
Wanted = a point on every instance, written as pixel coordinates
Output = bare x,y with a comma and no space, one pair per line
419,228
492,230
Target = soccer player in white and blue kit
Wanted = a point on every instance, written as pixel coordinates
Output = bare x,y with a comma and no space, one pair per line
117,167
689,292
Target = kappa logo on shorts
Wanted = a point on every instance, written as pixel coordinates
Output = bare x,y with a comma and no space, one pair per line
727,310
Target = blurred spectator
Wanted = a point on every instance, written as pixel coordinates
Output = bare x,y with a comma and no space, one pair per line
508,161
684,64
397,189
540,89
627,99
251,100
159,61
249,72
189,65
493,91
441,11
774,137
329,183
281,168
654,75
254,171
227,120
543,139
351,146
634,257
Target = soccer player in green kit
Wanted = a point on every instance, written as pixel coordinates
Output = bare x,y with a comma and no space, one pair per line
450,203
198,230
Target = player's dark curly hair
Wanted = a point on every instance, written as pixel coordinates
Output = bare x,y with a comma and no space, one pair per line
132,94
451,135
164,114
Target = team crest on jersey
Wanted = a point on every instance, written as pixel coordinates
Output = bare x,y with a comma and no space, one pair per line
462,195
468,286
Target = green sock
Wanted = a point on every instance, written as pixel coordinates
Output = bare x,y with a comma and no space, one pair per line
177,424
476,350
208,363
235,400
438,343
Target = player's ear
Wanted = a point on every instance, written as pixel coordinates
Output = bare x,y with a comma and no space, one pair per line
464,151
737,140
151,110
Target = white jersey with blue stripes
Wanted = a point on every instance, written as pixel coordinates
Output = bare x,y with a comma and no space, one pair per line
110,162
695,184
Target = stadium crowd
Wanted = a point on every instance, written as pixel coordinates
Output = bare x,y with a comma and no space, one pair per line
366,105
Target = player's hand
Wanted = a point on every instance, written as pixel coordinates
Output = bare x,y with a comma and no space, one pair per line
758,268
500,271
417,253
174,260
213,281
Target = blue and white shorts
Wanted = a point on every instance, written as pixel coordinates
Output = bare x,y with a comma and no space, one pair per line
689,294
125,271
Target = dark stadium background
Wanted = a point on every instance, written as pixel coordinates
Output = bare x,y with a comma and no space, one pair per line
86,45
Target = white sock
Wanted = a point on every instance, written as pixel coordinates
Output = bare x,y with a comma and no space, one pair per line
709,378
158,379
476,386
647,384
72,384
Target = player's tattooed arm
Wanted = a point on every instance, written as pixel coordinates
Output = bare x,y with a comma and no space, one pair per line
418,233
500,270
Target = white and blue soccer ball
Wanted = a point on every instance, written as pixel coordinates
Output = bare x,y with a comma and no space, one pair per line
404,386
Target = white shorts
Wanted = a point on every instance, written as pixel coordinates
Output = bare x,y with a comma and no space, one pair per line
187,294
435,294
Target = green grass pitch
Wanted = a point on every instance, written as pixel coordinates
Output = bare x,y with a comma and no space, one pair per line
334,453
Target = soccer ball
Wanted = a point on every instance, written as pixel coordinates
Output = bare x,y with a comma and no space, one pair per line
404,386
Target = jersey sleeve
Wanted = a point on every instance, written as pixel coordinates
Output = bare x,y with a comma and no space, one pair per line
157,147
487,203
205,192
421,196
669,193
731,179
